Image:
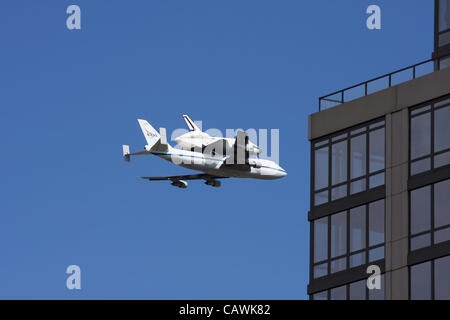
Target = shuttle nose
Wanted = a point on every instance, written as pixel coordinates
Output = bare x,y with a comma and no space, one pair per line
283,173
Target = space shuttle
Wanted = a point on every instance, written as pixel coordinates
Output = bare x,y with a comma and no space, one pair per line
196,139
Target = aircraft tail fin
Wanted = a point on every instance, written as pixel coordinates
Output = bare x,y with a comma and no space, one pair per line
151,135
191,124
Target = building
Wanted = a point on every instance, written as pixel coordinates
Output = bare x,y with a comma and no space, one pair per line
380,182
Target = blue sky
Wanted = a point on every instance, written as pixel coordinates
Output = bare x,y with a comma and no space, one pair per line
70,99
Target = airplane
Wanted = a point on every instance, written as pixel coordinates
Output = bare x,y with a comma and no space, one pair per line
196,139
234,164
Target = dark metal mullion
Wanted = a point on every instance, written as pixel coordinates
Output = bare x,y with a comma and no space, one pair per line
340,140
409,222
367,233
347,288
432,137
432,167
377,128
409,148
442,227
312,178
367,160
432,214
338,257
357,179
442,106
420,113
422,233
443,31
311,205
442,152
421,158
348,240
377,172
329,246
358,134
377,246
432,280
330,174
321,146
358,251
311,250
348,166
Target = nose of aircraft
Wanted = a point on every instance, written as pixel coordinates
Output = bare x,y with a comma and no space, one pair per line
282,173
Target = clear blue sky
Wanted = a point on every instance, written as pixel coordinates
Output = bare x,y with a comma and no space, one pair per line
69,99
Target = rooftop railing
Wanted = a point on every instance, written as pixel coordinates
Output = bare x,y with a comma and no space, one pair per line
377,84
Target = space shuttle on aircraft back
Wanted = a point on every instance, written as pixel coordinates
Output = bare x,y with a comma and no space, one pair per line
196,139
214,165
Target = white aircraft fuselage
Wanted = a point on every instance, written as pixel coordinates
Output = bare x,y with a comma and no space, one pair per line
264,169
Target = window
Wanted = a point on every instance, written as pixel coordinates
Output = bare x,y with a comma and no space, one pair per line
348,239
421,281
358,290
353,291
321,296
430,215
339,293
444,23
441,279
430,136
444,15
430,280
349,163
444,63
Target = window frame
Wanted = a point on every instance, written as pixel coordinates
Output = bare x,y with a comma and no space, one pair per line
348,254
432,276
432,230
437,31
329,142
432,155
347,288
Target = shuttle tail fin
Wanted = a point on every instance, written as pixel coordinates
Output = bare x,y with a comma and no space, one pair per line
191,124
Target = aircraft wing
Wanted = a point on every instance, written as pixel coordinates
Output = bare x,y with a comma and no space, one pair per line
200,176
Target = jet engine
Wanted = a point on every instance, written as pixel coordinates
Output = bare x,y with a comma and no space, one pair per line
213,183
180,184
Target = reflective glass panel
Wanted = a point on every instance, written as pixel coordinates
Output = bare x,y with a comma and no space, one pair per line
321,239
358,156
442,129
376,160
421,281
357,228
338,234
420,135
321,169
442,279
420,210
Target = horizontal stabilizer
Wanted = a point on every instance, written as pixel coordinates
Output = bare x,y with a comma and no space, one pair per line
126,153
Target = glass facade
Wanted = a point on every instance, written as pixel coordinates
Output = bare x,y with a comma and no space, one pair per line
353,291
349,163
349,239
429,201
430,136
430,280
